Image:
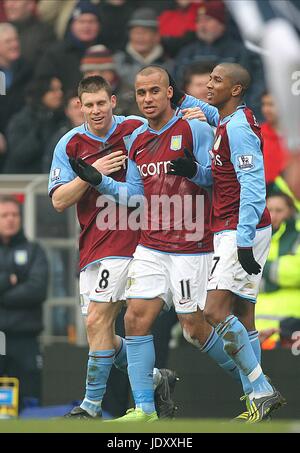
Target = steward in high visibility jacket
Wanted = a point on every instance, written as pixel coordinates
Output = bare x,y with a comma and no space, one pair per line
280,296
280,185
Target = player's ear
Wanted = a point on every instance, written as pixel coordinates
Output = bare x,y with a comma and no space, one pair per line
170,92
113,101
236,90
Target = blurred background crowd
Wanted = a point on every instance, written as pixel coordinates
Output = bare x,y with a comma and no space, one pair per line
47,46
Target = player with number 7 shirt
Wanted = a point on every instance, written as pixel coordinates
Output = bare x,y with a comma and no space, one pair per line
242,227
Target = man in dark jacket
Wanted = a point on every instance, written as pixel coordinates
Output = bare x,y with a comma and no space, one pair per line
23,289
143,47
214,43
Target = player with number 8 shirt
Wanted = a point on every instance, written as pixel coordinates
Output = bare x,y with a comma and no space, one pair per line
105,251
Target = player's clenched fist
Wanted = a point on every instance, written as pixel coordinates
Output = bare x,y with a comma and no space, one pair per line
183,166
85,171
104,166
111,163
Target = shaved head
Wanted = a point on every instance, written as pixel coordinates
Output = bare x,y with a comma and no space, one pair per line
150,70
237,74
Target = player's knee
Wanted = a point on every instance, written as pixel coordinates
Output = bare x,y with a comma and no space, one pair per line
135,322
244,311
212,316
98,322
131,320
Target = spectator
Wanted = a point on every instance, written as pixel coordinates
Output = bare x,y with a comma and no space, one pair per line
196,78
280,185
23,289
280,296
17,74
62,60
215,43
114,16
29,130
177,26
275,151
33,34
73,118
98,60
143,47
57,14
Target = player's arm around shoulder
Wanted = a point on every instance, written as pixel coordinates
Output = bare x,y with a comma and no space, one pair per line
211,113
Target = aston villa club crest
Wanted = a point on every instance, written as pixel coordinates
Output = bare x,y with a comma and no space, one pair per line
126,140
176,142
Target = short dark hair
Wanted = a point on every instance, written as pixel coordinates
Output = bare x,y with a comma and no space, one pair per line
238,74
38,88
197,68
69,95
265,93
93,84
9,199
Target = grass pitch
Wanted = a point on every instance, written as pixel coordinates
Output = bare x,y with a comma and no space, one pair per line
169,426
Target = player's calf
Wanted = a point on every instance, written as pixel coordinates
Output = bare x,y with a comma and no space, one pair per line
195,328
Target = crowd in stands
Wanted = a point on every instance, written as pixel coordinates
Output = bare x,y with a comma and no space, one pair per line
47,47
